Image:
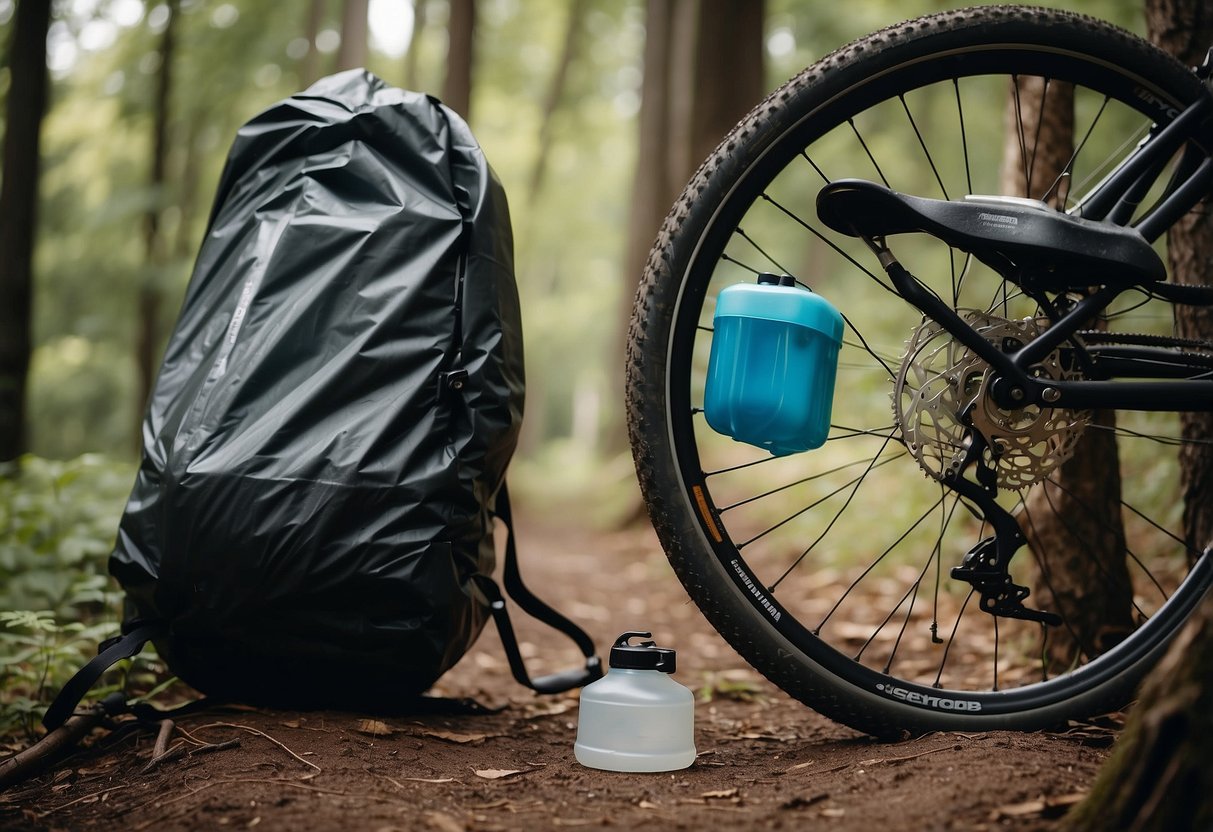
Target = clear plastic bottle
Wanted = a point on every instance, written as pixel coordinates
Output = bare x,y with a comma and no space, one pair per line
636,718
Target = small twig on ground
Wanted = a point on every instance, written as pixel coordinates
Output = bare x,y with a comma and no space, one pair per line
81,799
184,750
26,763
910,756
266,736
181,730
161,746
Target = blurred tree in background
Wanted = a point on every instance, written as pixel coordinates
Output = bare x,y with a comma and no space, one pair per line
145,98
26,82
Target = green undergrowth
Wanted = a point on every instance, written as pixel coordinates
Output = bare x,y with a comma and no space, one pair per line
58,521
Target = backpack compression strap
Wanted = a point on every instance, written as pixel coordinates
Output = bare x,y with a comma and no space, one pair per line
109,652
556,682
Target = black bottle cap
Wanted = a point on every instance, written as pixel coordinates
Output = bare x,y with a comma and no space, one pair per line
644,656
768,279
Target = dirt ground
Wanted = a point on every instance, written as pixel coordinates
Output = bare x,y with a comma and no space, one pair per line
765,761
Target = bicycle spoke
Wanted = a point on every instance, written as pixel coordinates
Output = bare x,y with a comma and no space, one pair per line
923,145
952,638
855,482
964,139
825,179
871,566
1023,148
741,467
778,266
1067,170
866,150
793,216
802,481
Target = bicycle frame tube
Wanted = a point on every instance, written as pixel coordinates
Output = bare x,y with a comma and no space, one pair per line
1116,196
1016,388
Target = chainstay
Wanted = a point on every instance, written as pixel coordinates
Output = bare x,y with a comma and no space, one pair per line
1199,353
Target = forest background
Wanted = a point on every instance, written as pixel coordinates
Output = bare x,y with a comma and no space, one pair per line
592,112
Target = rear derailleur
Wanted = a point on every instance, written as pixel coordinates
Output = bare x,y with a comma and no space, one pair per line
986,566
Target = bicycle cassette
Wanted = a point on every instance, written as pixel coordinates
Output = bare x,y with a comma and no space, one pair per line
941,397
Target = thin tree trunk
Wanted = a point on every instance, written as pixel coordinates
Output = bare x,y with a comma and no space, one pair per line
1185,29
652,192
728,71
148,340
18,215
457,89
187,196
555,95
309,70
1072,521
703,70
353,51
410,58
1160,776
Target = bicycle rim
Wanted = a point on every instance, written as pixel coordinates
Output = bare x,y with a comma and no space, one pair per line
840,557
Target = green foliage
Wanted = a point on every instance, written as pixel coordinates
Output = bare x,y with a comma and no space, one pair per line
57,523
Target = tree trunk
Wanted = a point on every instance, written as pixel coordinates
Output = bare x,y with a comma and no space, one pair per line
410,57
1160,777
1185,29
728,79
147,346
555,95
18,209
457,89
353,50
309,70
1072,521
187,192
703,71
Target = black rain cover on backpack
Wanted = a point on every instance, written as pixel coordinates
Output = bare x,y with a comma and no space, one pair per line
314,498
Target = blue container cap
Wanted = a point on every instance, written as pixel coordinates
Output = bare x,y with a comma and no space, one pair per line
786,304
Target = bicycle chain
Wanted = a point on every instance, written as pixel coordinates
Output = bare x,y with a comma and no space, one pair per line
1203,349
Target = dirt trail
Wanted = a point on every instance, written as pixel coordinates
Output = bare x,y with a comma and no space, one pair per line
765,761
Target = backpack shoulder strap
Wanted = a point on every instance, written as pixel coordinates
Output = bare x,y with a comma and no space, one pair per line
518,591
111,651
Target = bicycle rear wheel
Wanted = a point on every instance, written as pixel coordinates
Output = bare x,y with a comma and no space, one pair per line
829,571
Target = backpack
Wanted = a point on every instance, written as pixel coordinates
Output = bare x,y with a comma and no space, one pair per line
326,443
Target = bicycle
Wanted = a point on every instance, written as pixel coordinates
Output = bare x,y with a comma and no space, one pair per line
968,379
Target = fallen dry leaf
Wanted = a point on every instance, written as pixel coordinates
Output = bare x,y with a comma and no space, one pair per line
833,813
453,736
644,804
720,794
554,709
374,727
429,779
1047,807
496,773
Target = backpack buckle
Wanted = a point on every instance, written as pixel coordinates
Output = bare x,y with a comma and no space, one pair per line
453,380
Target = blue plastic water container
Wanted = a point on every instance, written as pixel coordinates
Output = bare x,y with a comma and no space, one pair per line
772,367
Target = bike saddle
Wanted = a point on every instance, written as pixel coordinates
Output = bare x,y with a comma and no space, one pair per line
1023,239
